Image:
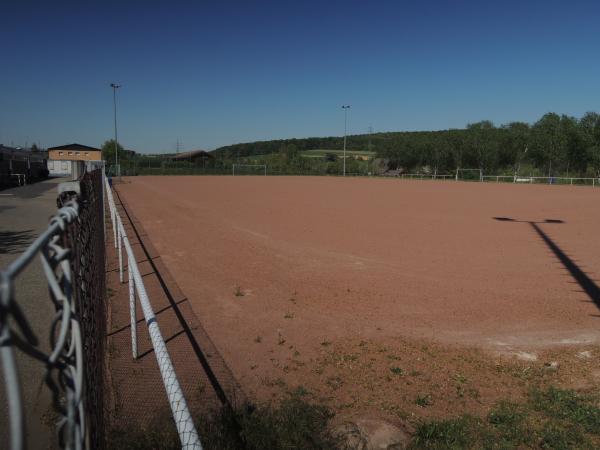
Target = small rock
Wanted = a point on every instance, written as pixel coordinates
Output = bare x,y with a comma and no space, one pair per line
366,434
586,354
551,366
524,356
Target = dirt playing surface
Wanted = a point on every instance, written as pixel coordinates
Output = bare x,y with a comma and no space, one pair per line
283,272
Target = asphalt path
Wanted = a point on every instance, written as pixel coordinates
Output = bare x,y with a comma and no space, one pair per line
24,215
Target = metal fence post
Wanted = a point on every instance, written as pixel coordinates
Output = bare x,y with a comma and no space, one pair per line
132,309
114,223
119,239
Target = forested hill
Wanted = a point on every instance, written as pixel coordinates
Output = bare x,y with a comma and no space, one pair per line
377,141
554,144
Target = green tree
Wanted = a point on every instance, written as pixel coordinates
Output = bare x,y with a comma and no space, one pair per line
481,143
549,142
575,151
590,130
108,152
515,144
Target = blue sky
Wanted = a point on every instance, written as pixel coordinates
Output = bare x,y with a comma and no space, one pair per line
217,73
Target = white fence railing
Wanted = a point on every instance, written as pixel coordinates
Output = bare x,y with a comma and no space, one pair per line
424,176
499,178
181,414
574,181
579,181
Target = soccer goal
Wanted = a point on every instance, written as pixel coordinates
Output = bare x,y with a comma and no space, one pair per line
469,174
249,169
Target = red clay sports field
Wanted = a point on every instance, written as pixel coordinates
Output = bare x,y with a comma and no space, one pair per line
274,263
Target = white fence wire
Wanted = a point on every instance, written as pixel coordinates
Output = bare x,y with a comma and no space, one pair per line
183,420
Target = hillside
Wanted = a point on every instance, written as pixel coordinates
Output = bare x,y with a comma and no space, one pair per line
554,145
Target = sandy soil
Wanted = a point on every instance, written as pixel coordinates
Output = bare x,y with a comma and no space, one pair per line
278,268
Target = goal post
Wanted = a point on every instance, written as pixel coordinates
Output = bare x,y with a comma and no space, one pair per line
249,169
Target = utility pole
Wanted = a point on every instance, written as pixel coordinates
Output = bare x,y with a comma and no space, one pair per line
115,87
345,108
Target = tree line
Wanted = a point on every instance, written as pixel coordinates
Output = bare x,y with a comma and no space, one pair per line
554,145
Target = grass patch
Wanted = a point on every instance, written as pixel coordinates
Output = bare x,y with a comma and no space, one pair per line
295,423
446,434
551,418
569,406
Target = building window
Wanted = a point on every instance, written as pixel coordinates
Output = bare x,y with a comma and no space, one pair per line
77,153
60,153
87,153
70,153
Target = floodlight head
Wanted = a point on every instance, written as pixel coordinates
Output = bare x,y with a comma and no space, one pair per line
345,106
114,85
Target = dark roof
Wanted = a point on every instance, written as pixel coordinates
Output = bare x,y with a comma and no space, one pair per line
74,147
191,155
20,153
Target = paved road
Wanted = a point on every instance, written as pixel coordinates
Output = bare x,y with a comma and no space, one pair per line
24,214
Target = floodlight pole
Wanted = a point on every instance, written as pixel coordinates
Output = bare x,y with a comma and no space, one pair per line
115,87
345,108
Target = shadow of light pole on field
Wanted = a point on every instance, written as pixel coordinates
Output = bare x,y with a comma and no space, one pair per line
587,284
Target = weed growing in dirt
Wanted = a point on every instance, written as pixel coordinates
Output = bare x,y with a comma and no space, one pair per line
396,370
280,339
424,400
238,292
334,382
258,339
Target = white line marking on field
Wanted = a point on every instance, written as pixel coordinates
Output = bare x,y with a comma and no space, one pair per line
6,195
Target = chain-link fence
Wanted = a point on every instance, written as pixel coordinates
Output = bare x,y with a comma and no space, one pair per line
184,423
72,255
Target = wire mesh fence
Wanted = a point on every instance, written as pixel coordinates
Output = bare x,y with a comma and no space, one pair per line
182,417
72,256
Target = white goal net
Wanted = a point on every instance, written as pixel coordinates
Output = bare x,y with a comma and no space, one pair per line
469,174
249,169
